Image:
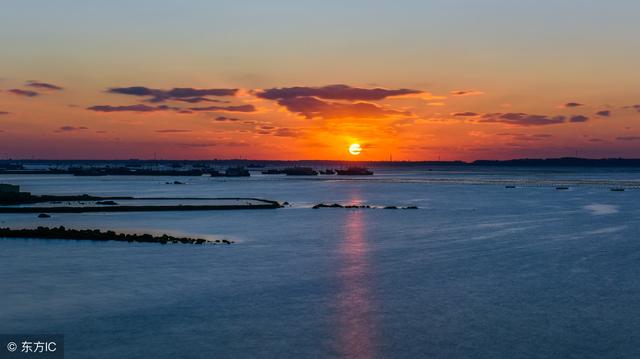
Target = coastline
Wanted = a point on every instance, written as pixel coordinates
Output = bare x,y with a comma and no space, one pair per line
98,235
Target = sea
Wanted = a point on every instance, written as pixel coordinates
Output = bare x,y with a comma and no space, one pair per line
495,263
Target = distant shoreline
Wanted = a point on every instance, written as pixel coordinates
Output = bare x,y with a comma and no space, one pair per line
97,235
118,208
520,162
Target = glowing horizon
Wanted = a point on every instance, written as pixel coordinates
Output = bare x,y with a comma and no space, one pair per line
290,81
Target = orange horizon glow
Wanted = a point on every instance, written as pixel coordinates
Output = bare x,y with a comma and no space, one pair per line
221,82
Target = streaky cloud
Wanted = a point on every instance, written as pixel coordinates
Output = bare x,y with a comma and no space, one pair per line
521,119
465,114
578,118
466,93
25,93
628,138
71,128
199,99
170,130
130,108
226,119
176,93
239,108
44,85
334,92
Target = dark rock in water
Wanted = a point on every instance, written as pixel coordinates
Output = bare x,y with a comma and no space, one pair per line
322,205
336,205
357,206
390,207
616,189
107,203
510,186
411,207
285,203
44,215
562,188
175,182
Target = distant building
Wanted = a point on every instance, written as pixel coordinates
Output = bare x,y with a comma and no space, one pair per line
10,193
9,188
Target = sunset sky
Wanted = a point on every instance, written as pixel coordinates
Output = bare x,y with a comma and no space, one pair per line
418,80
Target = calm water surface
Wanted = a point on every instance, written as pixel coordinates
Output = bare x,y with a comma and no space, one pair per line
479,271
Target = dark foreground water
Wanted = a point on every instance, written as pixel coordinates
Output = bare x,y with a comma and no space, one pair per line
479,271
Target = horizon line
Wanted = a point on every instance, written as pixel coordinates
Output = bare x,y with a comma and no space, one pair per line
330,160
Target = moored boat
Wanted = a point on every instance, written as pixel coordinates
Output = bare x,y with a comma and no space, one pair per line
300,171
355,171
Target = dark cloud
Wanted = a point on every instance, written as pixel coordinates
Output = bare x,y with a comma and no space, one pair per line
4,113
277,131
240,108
604,113
43,86
578,118
130,108
311,107
333,92
224,119
521,119
172,131
26,93
628,138
572,104
199,99
466,92
465,114
176,93
71,128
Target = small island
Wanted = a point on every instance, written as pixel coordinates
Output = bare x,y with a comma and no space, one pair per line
97,235
12,200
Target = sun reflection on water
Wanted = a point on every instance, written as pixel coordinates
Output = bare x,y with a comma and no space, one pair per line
357,328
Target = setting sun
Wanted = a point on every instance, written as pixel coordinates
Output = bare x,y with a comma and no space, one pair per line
355,149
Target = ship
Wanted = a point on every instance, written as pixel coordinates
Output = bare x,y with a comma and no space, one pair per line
237,172
273,171
355,171
300,171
